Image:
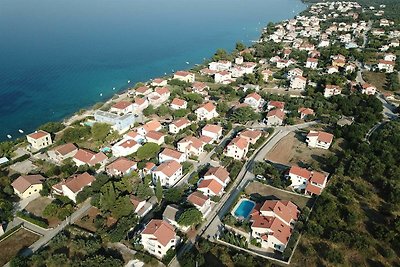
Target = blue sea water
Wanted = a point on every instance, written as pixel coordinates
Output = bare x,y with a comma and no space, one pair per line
58,56
244,208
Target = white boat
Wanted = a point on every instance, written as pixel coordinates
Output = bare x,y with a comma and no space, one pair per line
187,62
129,81
20,131
113,88
9,136
101,94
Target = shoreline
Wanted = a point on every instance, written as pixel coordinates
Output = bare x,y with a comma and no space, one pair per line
119,93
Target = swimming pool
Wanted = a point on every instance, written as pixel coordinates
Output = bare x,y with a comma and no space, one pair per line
243,208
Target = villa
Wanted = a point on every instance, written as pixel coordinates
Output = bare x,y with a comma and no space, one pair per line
87,157
319,139
125,147
200,201
206,112
62,152
28,185
191,146
170,154
304,112
73,185
39,139
237,148
155,137
185,76
168,172
254,100
121,167
312,182
118,123
158,237
178,103
122,107
178,125
275,117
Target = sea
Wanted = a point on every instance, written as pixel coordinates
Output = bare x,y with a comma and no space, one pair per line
59,56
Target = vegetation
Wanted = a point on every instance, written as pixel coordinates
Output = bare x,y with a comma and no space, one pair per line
190,217
148,151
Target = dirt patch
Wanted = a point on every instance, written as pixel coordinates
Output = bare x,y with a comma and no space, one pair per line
86,221
37,207
376,78
262,191
293,150
13,244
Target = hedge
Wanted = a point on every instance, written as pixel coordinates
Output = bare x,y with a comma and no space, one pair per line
33,219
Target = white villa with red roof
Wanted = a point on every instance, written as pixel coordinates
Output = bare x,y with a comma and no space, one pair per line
223,77
200,88
185,76
331,90
159,82
90,158
220,174
191,146
125,147
121,167
200,201
178,103
274,117
212,131
155,137
153,125
312,182
159,96
237,148
254,100
28,185
73,185
251,135
387,66
39,139
210,188
143,90
178,125
298,83
276,105
168,172
158,237
220,65
122,107
319,139
206,112
62,152
170,154
140,104
304,112
312,63
368,89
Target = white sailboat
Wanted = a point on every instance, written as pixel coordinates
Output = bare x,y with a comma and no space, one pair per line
20,131
9,136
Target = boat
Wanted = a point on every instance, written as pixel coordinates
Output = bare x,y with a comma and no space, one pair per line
187,62
101,94
113,88
129,81
20,131
9,136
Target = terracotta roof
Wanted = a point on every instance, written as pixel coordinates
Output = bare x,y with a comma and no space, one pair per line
171,153
240,142
154,135
84,155
182,73
205,139
318,178
199,85
367,85
38,134
142,89
77,182
132,134
221,173
281,231
208,106
65,149
254,95
194,142
152,126
122,104
310,59
387,62
180,122
321,136
296,170
276,112
128,143
313,189
253,134
161,230
212,128
162,90
169,167
178,102
330,86
22,183
121,164
277,104
149,166
197,198
158,80
211,184
305,111
140,100
301,78
284,209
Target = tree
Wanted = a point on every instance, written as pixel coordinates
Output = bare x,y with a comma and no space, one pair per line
149,111
162,111
108,196
144,191
147,151
173,195
122,207
52,127
100,131
159,190
190,217
243,115
240,46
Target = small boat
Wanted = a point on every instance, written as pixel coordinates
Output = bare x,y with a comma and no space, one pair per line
187,62
165,73
20,131
129,81
113,88
9,136
101,94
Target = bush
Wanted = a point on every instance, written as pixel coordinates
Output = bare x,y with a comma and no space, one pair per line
33,219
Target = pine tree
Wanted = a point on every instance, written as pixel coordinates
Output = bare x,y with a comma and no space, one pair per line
159,190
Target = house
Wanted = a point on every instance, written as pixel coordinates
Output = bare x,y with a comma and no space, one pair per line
316,184
152,125
170,154
254,100
39,139
141,207
332,69
200,88
158,237
122,107
368,89
159,82
304,112
237,148
319,139
210,188
119,123
159,96
286,211
220,65
298,83
140,104
28,185
331,90
312,63
200,201
191,146
155,137
168,172
148,169
206,112
212,131
133,135
171,215
389,57
266,74
276,105
73,185
125,147
248,67
184,76
121,167
294,72
62,152
220,174
251,135
87,157
387,66
338,62
223,77
301,178
178,103
143,90
275,117
178,125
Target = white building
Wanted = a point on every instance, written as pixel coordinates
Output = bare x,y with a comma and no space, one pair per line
73,185
206,112
319,139
185,76
212,131
254,100
125,147
237,148
168,173
170,154
178,125
158,237
331,90
39,139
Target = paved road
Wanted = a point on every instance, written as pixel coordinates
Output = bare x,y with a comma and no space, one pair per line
212,223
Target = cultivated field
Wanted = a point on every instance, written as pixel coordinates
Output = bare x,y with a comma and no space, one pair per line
19,240
261,191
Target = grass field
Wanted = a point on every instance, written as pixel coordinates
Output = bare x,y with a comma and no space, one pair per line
10,246
375,78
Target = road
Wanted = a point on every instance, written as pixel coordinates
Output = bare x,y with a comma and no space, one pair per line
212,223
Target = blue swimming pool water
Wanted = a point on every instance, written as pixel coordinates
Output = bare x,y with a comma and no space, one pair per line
244,208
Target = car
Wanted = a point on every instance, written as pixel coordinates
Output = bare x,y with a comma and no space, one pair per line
260,177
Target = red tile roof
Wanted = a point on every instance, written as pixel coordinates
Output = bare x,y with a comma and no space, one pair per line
305,111
77,182
161,230
276,112
277,104
169,167
122,165
180,122
211,184
197,198
254,95
38,134
182,73
154,135
208,106
220,172
171,153
65,149
122,104
212,128
284,209
22,183
296,170
313,189
253,134
178,102
240,142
